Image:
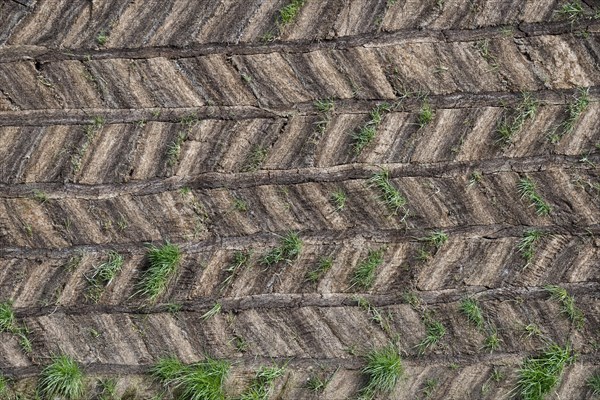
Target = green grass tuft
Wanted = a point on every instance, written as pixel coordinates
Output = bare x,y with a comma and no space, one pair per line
528,243
567,303
325,105
367,132
572,11
575,109
198,381
63,378
102,38
40,196
216,309
375,314
364,274
339,198
240,259
288,14
108,389
508,127
104,274
317,383
539,375
528,190
483,48
174,149
425,115
492,342
389,194
8,321
383,371
429,388
324,265
3,387
257,156
164,261
263,383
471,309
435,331
288,250
435,239
593,383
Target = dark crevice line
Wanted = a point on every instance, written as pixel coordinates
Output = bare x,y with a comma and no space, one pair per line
287,301
486,232
372,39
458,100
296,176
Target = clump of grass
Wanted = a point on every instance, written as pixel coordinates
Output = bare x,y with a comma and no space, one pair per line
240,343
425,115
508,127
430,386
241,258
263,383
573,11
8,321
375,315
567,303
528,190
104,274
174,148
389,194
483,47
475,178
492,342
326,107
40,196
63,378
164,261
435,239
593,383
532,330
471,309
173,308
102,38
3,387
317,383
288,14
216,309
528,243
539,375
108,389
324,265
367,132
364,274
574,111
434,331
257,156
339,198
288,250
383,371
240,205
412,299
198,381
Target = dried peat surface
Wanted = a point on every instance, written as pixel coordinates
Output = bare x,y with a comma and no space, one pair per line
299,199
